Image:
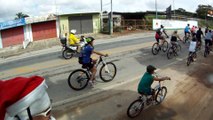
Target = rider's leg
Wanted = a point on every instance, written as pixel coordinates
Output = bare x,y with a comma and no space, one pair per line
93,71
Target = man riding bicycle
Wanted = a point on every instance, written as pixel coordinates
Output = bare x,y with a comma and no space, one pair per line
208,39
144,87
159,34
187,30
87,61
198,36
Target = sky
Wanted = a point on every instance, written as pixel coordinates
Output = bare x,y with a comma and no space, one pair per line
9,8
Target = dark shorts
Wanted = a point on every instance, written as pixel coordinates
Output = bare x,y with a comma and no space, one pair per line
89,65
148,92
209,42
187,32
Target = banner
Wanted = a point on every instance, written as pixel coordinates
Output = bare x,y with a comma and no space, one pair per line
12,23
172,24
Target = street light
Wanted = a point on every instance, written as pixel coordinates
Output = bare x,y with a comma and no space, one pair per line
156,9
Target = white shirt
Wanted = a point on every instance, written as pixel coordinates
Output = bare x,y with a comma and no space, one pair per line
192,46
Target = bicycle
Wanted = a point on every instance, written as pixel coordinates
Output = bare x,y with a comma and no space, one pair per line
173,50
191,57
187,38
79,78
156,47
207,50
143,101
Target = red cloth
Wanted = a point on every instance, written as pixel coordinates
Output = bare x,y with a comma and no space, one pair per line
15,89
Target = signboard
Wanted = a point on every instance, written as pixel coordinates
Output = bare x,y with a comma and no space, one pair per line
12,23
172,24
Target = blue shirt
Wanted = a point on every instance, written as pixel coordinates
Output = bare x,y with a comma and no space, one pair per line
86,54
187,29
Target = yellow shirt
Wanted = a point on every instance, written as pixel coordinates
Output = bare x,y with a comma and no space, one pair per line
73,40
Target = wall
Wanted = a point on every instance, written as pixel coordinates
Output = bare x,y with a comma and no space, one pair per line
172,24
96,24
64,24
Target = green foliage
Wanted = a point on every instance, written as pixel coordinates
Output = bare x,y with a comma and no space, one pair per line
21,15
202,10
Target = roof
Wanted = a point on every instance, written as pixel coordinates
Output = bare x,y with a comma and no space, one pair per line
85,13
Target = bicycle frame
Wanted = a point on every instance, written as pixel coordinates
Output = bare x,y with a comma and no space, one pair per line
101,60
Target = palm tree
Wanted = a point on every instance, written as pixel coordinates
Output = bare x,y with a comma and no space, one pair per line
21,15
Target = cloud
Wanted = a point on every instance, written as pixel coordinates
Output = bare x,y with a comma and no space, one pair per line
8,8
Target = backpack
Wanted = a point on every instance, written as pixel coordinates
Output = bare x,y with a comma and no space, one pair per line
80,58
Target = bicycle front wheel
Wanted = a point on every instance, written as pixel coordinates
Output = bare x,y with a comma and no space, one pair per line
165,46
188,60
67,54
155,49
161,94
108,72
170,53
135,108
78,79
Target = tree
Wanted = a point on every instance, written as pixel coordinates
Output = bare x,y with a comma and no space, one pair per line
21,15
202,10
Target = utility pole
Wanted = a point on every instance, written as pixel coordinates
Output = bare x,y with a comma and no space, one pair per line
156,9
174,7
111,20
101,16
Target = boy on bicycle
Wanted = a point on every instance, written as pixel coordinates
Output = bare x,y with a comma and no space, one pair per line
87,61
144,87
193,45
159,35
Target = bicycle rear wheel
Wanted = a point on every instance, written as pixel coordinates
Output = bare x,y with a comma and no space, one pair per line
188,61
78,79
170,53
135,108
161,94
165,46
155,49
108,72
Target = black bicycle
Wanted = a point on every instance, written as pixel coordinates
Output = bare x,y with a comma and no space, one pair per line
187,38
156,47
174,50
191,57
79,78
145,101
207,50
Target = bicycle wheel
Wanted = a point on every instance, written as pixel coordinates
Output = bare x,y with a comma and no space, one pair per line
155,49
67,54
165,46
108,72
178,49
170,53
78,79
188,61
135,108
161,94
205,52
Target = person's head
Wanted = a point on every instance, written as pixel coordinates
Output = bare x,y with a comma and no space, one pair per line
90,40
150,69
73,31
200,28
188,24
175,32
161,26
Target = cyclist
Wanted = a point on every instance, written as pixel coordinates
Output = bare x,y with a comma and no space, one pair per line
159,34
198,36
192,46
174,38
87,61
74,41
187,30
144,87
208,39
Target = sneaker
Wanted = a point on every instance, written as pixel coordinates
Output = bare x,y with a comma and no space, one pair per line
91,84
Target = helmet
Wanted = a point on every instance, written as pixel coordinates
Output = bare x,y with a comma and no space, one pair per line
73,31
89,39
150,69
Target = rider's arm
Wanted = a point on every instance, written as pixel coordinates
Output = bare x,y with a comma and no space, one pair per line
165,33
179,37
161,79
98,53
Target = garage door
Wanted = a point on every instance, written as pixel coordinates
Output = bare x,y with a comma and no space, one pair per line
12,36
44,30
83,24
